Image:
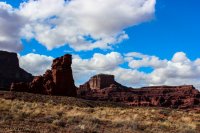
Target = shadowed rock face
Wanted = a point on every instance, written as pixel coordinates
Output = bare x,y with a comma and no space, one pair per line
160,96
57,81
62,76
10,71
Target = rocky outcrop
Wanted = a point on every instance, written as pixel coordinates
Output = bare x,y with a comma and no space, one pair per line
57,81
160,96
10,72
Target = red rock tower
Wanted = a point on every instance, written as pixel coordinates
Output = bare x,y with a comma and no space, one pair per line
57,81
62,76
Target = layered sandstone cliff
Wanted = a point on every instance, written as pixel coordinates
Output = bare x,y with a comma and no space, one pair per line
160,96
57,81
10,71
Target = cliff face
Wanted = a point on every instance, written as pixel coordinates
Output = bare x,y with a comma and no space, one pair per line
62,76
57,81
160,96
10,71
99,82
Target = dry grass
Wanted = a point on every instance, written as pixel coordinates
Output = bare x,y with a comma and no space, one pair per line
19,116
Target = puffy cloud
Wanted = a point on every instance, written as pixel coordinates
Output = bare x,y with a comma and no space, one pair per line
100,61
137,60
180,57
179,70
83,24
11,24
35,63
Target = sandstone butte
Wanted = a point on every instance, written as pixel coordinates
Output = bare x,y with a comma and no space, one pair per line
59,81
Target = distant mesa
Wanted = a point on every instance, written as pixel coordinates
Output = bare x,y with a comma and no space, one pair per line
99,81
10,71
104,87
57,81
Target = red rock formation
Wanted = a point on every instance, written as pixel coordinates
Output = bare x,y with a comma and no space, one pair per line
62,76
99,81
160,96
58,81
10,71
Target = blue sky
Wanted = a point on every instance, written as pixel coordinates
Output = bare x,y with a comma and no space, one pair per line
174,28
162,42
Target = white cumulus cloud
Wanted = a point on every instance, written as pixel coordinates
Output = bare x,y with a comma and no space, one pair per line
36,64
137,60
83,24
10,27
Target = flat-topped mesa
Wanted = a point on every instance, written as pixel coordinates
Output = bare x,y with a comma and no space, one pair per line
185,96
151,90
57,81
10,71
8,60
101,81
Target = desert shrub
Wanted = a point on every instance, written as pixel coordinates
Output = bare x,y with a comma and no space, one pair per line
189,131
95,120
21,116
6,117
59,113
60,123
74,119
90,110
68,108
165,112
46,119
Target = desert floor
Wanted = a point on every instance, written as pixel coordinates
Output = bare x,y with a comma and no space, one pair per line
31,113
